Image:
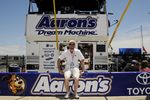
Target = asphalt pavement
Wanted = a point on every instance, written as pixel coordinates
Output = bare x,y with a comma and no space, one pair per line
71,98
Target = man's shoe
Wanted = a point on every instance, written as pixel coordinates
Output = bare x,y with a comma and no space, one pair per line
66,96
76,96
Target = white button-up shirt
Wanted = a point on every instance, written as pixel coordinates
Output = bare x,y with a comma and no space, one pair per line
71,59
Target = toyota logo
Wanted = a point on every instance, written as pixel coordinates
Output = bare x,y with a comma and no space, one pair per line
143,78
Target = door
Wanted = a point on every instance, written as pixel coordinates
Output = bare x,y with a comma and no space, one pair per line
87,51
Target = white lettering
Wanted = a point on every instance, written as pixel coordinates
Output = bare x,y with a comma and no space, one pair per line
81,86
104,85
142,90
136,91
147,90
56,86
139,91
91,86
42,85
129,90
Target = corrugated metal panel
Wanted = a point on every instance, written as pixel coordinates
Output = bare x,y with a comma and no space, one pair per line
101,59
32,59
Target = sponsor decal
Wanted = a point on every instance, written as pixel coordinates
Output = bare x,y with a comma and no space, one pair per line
66,26
66,32
16,84
139,91
48,56
72,23
44,85
144,80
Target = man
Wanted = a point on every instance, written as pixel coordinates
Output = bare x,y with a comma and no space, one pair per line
133,66
72,56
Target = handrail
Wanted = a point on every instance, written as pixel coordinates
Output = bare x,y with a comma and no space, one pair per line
120,20
56,29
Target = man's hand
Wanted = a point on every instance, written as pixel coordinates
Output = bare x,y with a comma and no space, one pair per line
82,66
58,66
61,71
81,72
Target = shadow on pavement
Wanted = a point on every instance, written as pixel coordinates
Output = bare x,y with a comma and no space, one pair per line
147,97
62,98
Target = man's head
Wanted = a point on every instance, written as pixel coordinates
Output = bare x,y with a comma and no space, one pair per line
144,64
135,64
72,44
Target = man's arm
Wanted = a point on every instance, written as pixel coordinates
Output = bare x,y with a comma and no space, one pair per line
82,65
60,58
81,59
58,66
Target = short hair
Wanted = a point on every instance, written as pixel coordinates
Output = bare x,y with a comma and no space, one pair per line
144,64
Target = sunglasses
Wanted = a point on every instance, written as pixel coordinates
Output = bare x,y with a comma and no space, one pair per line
71,44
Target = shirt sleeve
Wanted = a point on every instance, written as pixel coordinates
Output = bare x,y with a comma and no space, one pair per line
63,55
80,55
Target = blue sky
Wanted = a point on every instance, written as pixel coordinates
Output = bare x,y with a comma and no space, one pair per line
13,15
128,34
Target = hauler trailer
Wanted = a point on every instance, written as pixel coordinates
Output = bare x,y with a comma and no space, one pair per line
87,25
84,21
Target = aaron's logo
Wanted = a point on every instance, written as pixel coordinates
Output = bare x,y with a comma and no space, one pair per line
88,86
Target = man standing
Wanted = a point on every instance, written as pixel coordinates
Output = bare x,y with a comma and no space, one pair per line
72,56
